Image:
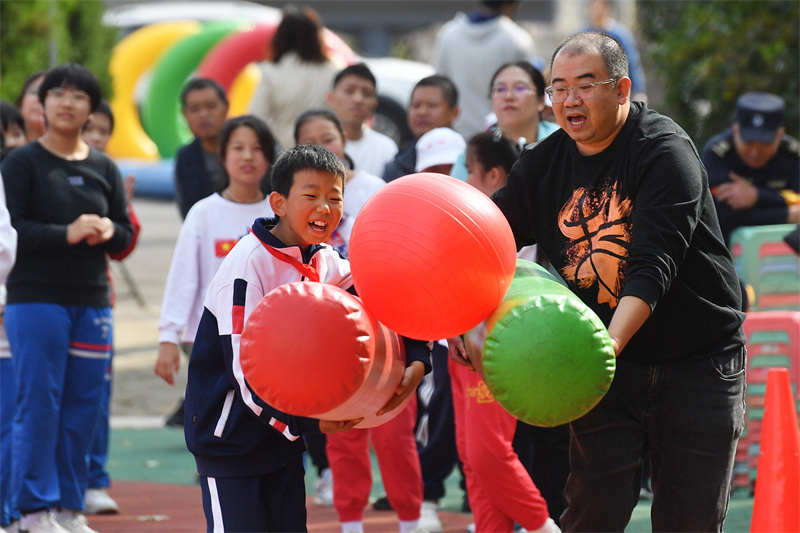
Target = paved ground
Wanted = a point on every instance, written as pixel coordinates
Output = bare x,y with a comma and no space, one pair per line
139,397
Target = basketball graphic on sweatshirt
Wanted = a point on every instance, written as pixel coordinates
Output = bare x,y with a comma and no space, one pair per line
597,226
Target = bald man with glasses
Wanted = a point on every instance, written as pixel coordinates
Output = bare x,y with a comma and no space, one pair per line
618,201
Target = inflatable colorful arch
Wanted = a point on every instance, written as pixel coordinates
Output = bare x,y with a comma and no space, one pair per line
150,66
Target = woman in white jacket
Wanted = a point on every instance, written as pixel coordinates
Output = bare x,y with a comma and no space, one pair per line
299,75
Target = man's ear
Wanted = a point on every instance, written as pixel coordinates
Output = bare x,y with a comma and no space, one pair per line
329,98
624,89
277,202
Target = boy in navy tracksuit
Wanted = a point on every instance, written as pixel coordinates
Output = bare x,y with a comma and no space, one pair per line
249,454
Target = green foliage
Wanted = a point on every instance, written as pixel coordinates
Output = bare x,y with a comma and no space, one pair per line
705,54
74,26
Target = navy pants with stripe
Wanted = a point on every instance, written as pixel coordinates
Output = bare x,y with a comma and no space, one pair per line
60,357
271,502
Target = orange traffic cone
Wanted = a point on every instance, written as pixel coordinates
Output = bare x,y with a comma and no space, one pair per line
776,507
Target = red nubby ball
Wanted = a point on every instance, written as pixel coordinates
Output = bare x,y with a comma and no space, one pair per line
311,349
431,256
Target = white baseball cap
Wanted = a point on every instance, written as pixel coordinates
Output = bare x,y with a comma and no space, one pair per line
440,146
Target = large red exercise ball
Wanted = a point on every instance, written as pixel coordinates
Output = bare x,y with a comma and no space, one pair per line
544,354
431,256
310,349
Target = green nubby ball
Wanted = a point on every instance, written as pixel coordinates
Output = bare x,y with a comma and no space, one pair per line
546,356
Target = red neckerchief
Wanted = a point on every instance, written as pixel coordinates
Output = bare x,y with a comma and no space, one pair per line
307,270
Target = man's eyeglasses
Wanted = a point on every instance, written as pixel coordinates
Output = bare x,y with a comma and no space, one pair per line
584,91
517,90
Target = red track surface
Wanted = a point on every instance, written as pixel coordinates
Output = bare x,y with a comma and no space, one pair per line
160,508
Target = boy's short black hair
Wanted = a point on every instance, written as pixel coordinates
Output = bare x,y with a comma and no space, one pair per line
303,157
196,84
105,109
445,84
9,115
359,69
72,75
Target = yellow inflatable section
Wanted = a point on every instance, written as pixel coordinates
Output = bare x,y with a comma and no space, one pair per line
130,59
243,89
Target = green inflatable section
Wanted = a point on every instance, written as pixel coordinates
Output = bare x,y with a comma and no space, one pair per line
545,356
161,110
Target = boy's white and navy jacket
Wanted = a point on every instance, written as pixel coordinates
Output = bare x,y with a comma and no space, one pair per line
229,429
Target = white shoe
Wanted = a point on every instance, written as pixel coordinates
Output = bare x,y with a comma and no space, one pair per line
74,522
471,528
13,527
323,488
41,522
429,517
98,501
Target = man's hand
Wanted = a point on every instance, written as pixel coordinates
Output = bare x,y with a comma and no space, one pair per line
335,426
411,379
738,193
458,352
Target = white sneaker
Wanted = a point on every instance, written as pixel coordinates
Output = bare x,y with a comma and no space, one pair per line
471,528
98,501
13,527
323,488
74,522
41,522
429,517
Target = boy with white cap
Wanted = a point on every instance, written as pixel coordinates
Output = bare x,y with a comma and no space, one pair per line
438,149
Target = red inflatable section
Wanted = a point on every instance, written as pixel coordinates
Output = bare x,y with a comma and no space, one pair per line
431,256
310,349
228,58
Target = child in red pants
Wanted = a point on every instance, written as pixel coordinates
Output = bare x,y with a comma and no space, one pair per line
500,489
396,449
